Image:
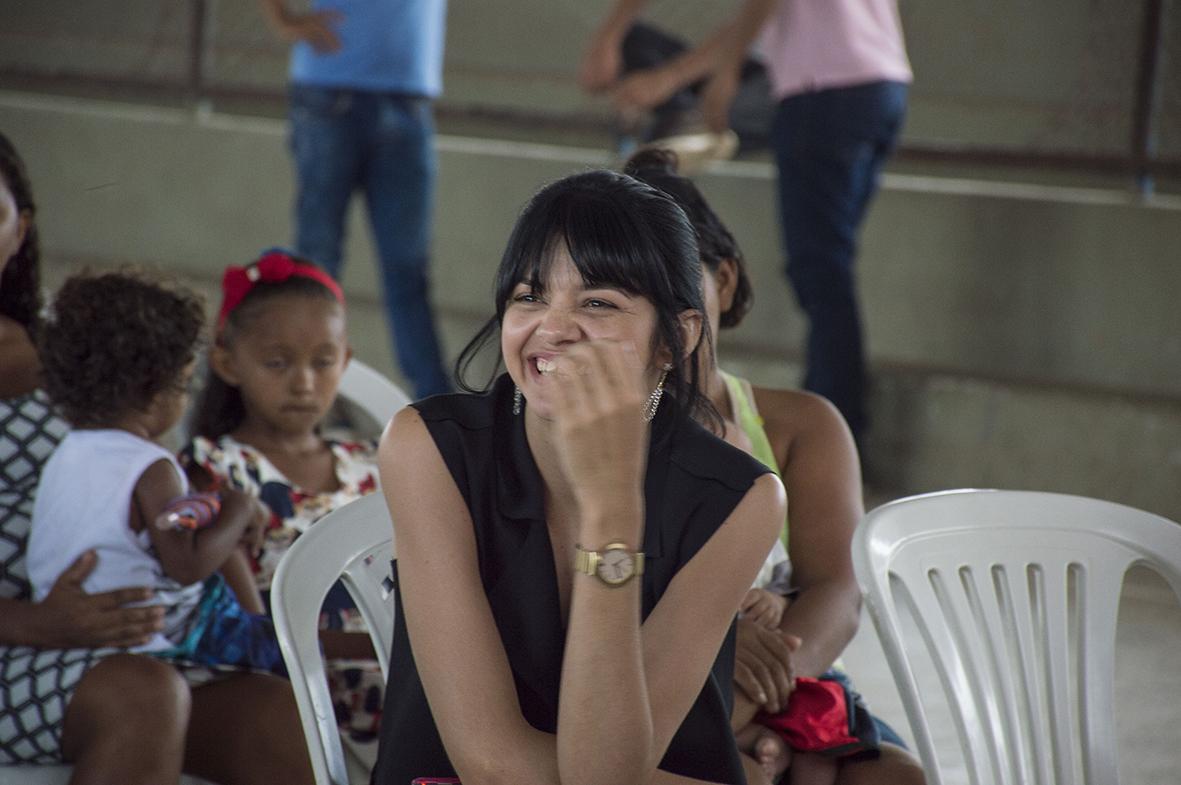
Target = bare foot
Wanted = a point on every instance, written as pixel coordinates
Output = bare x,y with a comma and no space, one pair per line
772,754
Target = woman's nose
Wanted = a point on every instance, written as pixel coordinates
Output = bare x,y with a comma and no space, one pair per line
558,325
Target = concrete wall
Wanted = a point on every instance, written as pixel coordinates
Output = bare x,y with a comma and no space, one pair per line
1048,284
1021,336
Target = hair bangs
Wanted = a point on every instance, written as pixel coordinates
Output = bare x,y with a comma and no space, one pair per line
610,246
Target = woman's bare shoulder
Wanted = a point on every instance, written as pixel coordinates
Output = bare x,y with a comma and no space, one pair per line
405,435
790,415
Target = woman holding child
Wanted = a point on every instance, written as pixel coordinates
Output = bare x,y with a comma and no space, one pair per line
572,544
68,691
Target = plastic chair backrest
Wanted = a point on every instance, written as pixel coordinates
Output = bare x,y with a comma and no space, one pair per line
1014,595
371,392
355,544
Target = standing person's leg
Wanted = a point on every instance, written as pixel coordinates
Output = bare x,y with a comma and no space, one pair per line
399,183
828,147
884,111
327,154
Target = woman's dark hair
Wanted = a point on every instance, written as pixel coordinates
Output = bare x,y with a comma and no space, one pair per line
113,341
619,233
658,168
219,406
20,283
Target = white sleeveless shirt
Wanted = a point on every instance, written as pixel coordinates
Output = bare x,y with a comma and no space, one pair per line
84,501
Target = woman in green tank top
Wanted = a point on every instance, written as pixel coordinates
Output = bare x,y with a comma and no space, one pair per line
804,439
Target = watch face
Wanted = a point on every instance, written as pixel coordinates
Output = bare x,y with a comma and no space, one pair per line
616,566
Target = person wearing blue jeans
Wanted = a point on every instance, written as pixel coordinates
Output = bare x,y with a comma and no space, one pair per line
830,146
840,74
362,82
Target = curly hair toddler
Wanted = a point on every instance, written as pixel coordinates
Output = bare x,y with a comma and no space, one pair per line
118,350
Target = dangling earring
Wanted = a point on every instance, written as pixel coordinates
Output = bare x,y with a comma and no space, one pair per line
517,399
655,396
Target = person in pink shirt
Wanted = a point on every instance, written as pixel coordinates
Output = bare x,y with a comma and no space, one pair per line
840,74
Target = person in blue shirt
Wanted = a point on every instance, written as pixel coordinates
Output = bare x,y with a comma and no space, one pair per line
363,76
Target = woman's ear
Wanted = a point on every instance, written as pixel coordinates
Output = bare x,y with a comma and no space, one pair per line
691,324
726,277
221,362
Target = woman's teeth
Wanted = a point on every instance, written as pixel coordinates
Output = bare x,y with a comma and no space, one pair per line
545,366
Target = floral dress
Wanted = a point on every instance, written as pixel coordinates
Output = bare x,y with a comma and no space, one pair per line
356,685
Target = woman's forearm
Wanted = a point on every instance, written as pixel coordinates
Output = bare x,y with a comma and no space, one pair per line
621,16
19,624
825,616
726,48
604,719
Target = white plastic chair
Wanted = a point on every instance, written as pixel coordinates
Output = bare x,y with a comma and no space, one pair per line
371,392
355,544
1014,595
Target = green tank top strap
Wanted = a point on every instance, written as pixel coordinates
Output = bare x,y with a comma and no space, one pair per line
746,411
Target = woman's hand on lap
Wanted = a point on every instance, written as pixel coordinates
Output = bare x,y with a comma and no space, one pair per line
763,668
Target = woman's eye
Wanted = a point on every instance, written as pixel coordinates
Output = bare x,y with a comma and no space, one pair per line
274,364
526,297
595,302
324,362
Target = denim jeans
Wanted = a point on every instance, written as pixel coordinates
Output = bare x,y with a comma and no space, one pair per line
830,146
382,144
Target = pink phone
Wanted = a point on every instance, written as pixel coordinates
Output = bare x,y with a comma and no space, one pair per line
435,781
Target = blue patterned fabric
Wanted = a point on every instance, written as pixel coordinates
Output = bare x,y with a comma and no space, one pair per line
224,634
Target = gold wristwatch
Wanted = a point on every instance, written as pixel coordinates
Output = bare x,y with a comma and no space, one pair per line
614,565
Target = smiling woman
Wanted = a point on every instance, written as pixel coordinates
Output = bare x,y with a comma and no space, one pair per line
544,321
588,539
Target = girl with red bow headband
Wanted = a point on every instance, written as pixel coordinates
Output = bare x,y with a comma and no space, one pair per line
274,368
274,267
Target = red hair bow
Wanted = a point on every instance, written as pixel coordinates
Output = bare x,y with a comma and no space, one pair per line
272,267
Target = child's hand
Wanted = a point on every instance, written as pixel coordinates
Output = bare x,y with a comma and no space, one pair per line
763,607
236,503
255,533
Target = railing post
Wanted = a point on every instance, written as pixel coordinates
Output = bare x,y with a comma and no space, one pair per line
196,82
1147,95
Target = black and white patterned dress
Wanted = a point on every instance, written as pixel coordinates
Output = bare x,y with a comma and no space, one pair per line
35,684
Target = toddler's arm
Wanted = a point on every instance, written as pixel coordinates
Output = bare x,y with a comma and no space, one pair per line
191,556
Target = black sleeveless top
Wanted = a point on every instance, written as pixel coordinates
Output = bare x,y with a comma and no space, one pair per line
694,481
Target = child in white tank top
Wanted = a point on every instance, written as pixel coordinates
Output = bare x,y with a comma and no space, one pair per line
118,351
